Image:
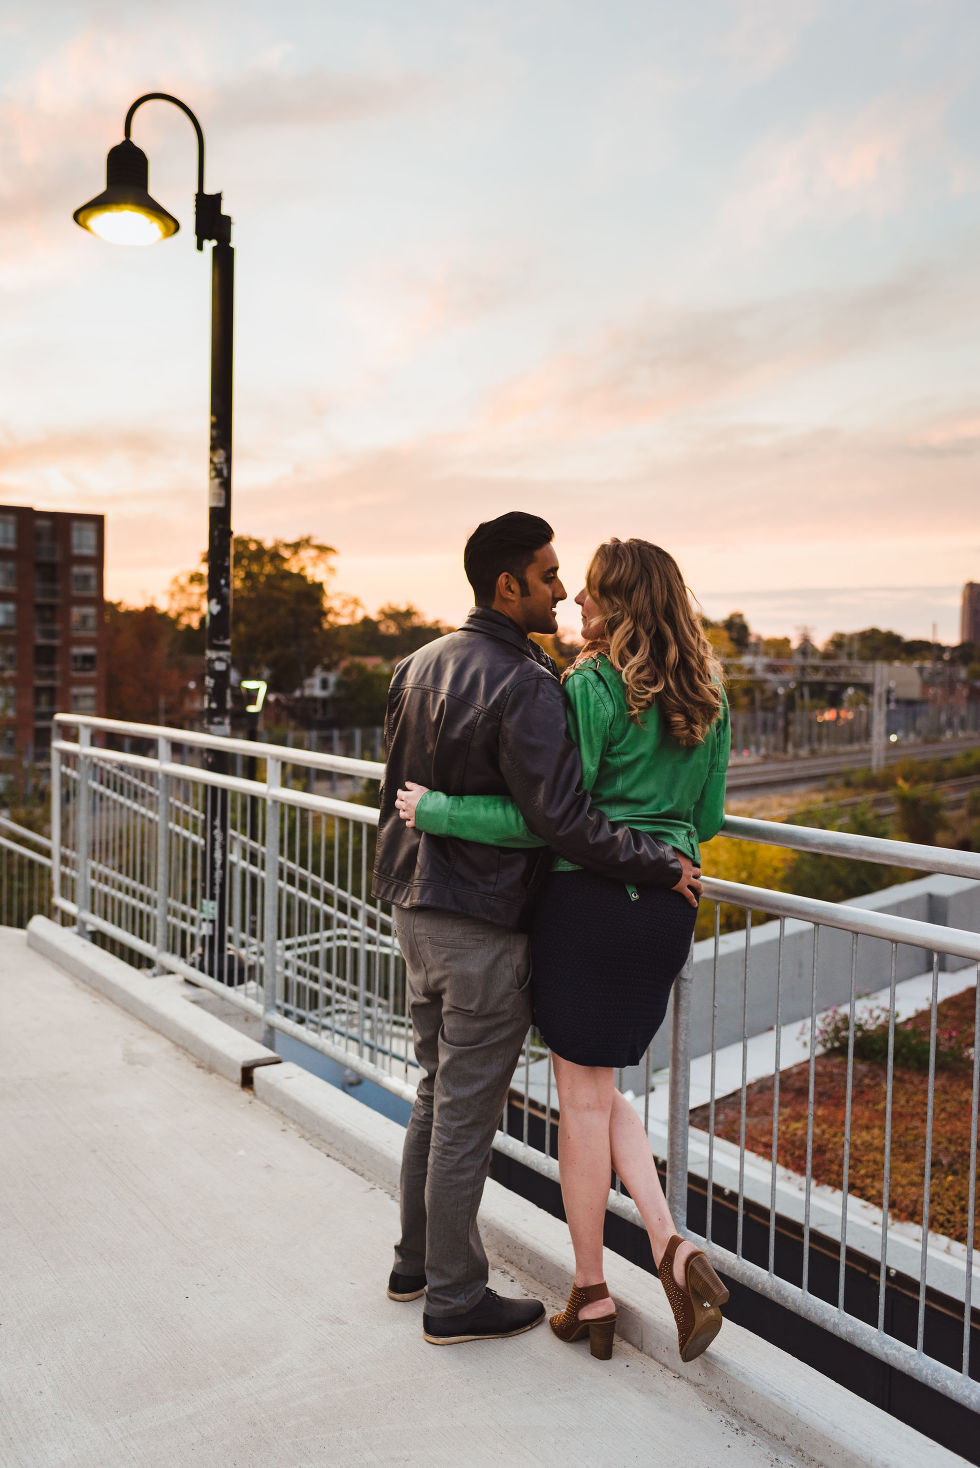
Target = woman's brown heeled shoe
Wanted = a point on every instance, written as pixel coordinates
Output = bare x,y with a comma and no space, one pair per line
696,1308
568,1327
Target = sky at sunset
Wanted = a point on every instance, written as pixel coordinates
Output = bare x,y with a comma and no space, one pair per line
706,274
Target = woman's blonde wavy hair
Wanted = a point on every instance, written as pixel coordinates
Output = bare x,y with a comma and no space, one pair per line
654,637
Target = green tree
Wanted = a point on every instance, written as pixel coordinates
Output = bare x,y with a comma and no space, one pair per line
739,633
360,696
392,633
873,645
281,613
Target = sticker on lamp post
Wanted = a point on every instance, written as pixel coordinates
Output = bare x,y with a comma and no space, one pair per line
258,687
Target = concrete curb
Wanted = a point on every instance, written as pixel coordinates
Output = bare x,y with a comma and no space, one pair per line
157,1001
777,1394
742,1374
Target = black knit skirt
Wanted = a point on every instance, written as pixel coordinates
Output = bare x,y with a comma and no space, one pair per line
602,965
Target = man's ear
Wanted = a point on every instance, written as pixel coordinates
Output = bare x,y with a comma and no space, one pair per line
507,587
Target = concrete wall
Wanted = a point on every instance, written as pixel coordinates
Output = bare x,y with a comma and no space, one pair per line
756,975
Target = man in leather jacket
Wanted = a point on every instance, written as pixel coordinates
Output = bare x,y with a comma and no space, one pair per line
480,711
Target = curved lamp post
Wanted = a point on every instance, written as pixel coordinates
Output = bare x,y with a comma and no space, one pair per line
125,213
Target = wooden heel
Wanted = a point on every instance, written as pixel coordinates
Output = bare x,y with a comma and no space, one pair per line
601,1334
695,1306
568,1326
704,1283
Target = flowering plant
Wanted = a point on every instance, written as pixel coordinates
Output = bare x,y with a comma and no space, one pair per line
954,1047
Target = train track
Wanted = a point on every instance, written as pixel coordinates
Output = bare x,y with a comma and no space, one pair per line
955,793
772,775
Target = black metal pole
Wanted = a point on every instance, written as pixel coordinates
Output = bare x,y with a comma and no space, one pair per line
217,657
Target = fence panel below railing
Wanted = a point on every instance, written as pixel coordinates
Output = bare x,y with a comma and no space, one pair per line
281,921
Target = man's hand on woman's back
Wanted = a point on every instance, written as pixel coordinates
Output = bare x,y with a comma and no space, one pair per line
689,885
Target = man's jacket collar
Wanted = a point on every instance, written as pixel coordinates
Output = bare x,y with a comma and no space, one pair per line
496,624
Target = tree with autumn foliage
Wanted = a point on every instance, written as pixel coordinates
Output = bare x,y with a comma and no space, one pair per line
282,618
148,681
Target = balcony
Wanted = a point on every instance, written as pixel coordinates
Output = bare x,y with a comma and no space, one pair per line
46,550
46,591
47,632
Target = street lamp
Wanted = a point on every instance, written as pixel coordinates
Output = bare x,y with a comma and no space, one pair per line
125,213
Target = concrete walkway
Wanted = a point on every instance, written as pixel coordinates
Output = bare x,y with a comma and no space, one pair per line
187,1279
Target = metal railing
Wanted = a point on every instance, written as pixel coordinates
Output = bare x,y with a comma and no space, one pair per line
315,955
25,874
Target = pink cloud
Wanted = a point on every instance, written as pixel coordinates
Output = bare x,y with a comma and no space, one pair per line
843,164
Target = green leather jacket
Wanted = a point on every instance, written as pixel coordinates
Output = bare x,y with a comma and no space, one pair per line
636,773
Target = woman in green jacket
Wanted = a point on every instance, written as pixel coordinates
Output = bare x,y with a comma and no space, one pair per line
650,718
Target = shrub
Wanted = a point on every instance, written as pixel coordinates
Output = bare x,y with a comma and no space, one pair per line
829,877
954,1048
919,813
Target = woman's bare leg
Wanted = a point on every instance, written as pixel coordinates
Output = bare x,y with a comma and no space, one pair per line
634,1164
585,1098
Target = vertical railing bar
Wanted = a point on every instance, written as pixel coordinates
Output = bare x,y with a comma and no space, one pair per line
971,1206
270,895
56,828
710,1190
927,1163
679,1102
886,1180
547,1104
527,1087
354,998
848,1101
743,1087
163,846
321,965
362,960
618,1187
83,826
775,1098
811,1098
647,1086
336,916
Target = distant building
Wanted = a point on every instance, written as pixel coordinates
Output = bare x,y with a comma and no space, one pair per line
52,627
970,613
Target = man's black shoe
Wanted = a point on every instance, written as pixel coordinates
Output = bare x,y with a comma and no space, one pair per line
489,1319
405,1286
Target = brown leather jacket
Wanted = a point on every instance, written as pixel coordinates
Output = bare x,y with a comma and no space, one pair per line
480,712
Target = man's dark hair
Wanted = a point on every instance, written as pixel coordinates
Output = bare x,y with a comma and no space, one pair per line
508,543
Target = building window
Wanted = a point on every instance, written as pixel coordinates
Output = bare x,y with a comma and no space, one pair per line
8,703
83,580
83,619
83,700
8,575
8,531
45,544
8,741
84,537
8,658
83,660
8,614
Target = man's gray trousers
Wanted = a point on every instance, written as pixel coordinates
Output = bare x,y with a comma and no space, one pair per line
470,1003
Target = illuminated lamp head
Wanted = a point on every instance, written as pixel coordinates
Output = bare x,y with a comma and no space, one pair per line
124,213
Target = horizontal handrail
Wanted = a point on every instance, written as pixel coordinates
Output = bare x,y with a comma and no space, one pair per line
284,753
860,848
895,929
24,832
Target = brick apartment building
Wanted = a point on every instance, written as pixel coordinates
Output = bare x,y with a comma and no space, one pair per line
52,627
